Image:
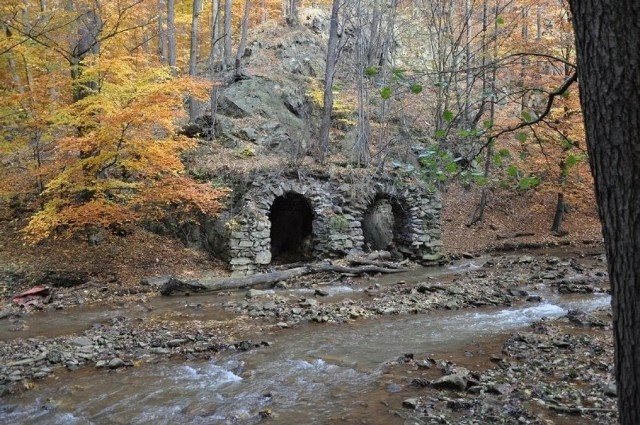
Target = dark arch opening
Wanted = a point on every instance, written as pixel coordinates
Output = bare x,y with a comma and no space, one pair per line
291,218
384,226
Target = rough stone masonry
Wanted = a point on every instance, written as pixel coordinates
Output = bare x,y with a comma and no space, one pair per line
337,213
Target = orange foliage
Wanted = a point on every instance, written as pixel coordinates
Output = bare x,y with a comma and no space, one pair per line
111,157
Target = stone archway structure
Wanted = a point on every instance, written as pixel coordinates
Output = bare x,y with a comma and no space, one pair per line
416,217
291,218
325,218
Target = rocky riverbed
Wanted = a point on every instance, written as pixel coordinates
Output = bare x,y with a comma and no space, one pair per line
562,367
556,372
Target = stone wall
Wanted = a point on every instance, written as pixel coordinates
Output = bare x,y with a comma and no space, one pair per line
339,209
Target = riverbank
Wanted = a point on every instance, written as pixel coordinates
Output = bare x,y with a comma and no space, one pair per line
151,329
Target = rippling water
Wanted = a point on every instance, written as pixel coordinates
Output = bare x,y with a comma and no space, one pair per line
309,374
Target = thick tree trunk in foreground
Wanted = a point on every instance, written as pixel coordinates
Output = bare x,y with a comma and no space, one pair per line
175,285
608,49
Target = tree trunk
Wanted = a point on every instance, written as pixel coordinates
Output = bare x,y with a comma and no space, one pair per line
292,13
215,33
608,52
322,150
243,36
171,35
175,285
162,36
559,215
226,60
193,54
215,55
361,154
478,213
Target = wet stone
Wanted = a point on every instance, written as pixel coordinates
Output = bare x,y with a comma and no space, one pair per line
81,341
410,403
116,363
450,382
611,390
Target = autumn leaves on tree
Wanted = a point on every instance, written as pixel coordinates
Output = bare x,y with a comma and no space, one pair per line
89,118
93,93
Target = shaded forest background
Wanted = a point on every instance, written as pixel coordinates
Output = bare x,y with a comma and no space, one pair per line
477,98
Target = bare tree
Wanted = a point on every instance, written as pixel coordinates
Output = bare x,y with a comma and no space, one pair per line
244,28
162,36
214,58
171,35
226,61
193,54
321,151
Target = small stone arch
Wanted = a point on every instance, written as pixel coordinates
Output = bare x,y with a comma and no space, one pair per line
291,216
386,223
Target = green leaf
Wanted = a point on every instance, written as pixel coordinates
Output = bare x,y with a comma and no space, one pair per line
370,71
452,167
500,20
528,182
526,116
521,137
487,124
512,171
416,88
572,160
480,180
448,116
567,144
504,153
497,160
385,93
398,72
439,134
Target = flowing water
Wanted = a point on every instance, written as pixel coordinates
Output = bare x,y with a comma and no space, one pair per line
78,319
309,375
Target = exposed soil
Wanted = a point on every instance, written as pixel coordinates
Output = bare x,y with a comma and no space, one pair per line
514,221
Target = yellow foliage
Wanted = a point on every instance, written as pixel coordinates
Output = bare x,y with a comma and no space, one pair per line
246,152
117,154
342,110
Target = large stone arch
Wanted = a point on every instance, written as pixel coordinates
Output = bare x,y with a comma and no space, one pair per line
337,211
251,242
291,217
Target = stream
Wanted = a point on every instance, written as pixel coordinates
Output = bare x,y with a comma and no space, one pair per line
309,375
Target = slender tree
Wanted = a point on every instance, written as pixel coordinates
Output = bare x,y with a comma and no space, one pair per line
244,28
193,53
226,61
171,35
322,150
162,35
608,50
